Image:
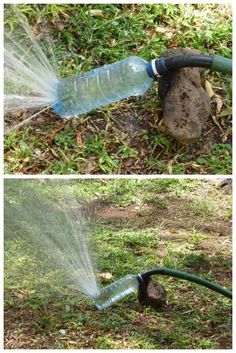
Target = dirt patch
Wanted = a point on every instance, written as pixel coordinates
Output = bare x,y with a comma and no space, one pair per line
21,337
175,217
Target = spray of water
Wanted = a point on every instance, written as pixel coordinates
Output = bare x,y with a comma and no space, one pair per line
30,76
47,215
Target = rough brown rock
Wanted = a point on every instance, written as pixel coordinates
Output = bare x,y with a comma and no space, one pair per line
152,294
226,185
186,105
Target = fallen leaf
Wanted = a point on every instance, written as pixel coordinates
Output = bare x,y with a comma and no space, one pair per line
226,112
174,231
79,139
19,295
173,42
208,89
226,135
67,308
62,331
37,151
58,128
219,104
105,275
96,13
160,30
217,123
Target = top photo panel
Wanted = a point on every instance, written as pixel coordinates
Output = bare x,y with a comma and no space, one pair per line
118,89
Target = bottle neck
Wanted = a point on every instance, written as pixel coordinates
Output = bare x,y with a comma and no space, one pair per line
151,70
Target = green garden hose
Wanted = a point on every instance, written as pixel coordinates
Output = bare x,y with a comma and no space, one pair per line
222,64
131,283
164,66
186,276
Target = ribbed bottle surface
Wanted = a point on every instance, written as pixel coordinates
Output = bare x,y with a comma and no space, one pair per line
80,94
116,291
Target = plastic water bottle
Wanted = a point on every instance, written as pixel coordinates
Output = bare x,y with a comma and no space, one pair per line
80,94
116,291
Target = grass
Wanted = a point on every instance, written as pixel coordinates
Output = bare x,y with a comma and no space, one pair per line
127,137
133,233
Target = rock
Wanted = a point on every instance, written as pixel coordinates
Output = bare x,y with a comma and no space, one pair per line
226,186
152,294
186,105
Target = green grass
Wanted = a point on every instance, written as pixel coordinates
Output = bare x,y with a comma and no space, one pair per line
127,137
220,159
139,235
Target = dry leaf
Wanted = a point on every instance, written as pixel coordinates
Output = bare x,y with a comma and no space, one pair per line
173,42
19,295
209,90
96,13
54,132
37,151
105,275
90,167
160,30
217,123
219,104
226,135
62,331
226,112
79,139
174,231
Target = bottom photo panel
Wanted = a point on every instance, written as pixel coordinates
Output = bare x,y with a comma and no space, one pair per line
118,263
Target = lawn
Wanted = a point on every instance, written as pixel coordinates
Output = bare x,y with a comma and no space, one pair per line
127,137
135,225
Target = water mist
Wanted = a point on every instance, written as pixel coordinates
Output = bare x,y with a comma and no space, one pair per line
30,71
52,223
